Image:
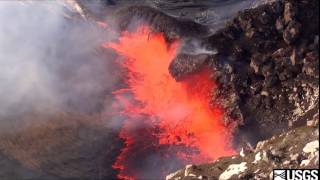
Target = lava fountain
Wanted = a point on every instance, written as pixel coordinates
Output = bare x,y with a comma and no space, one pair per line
168,123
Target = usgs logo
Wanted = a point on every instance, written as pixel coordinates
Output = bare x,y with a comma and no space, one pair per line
295,174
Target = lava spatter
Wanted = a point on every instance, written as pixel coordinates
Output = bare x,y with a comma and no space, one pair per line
164,117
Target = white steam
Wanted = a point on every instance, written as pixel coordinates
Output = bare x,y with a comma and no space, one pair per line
48,61
196,47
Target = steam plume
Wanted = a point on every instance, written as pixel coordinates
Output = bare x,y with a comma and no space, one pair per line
49,62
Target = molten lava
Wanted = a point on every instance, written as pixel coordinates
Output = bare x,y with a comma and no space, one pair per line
165,119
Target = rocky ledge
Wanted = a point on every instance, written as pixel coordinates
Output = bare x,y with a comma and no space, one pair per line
297,148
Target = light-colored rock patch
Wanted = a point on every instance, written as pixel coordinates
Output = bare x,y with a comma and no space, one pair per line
311,147
257,157
242,154
188,169
170,176
305,162
233,169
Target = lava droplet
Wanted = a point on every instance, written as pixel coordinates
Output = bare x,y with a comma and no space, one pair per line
168,123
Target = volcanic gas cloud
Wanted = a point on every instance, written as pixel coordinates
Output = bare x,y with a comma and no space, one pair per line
168,123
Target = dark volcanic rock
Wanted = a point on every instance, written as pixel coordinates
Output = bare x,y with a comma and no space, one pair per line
185,64
311,65
280,24
290,11
159,22
278,56
292,32
257,61
266,68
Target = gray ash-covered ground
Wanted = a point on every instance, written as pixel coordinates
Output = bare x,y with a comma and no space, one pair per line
62,146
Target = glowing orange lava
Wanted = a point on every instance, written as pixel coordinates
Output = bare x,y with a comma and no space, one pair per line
179,113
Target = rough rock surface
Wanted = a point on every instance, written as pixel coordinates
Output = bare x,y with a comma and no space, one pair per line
185,64
267,67
297,148
159,22
267,70
206,12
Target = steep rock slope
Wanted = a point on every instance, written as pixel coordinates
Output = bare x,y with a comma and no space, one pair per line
297,148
